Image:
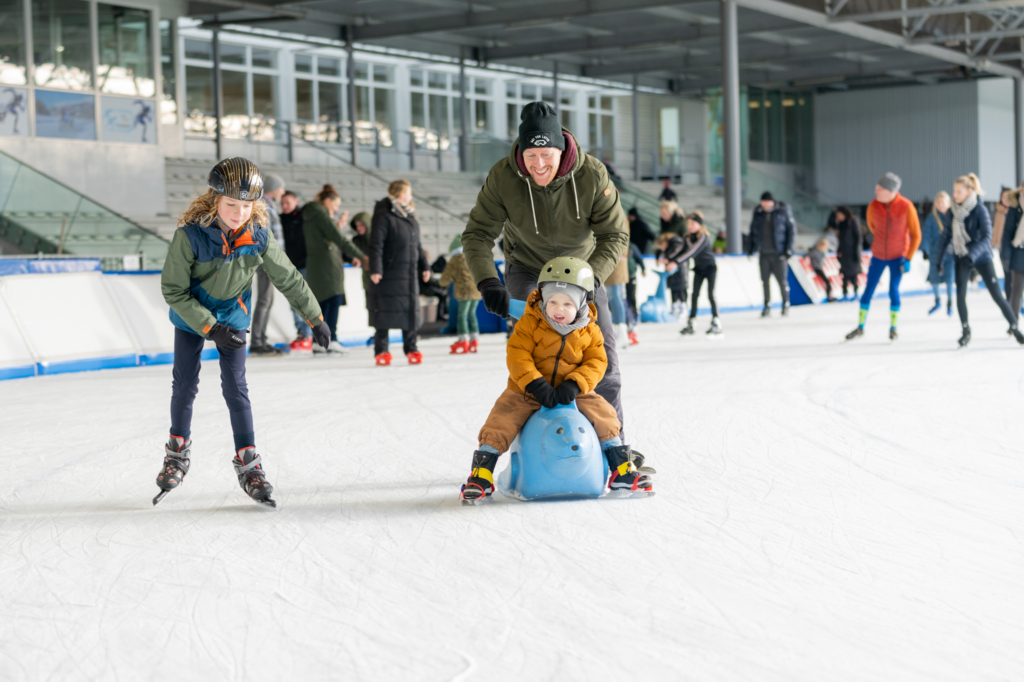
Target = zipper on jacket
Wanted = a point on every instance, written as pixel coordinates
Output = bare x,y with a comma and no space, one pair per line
558,357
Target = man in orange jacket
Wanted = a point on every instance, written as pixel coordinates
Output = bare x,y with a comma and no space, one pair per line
892,219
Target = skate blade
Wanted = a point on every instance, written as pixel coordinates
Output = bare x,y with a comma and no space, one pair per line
628,494
268,503
162,495
478,502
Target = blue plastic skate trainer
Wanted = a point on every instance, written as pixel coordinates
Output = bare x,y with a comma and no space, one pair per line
556,456
656,308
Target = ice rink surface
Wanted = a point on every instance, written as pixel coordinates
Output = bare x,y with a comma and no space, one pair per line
825,511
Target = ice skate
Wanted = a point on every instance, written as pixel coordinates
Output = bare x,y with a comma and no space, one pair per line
688,329
965,338
767,311
301,343
176,462
949,308
892,334
473,345
335,348
624,475
633,339
785,310
266,350
715,328
856,333
1017,334
938,304
383,359
459,348
480,483
414,358
621,336
251,478
677,309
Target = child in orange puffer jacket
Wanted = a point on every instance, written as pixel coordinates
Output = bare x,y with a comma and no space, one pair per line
555,356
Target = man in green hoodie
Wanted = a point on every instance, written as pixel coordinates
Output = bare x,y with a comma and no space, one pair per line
551,199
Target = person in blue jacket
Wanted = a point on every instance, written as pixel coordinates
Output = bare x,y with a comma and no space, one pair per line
971,236
772,232
1011,249
939,221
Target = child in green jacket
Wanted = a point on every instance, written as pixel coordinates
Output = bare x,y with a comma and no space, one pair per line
207,281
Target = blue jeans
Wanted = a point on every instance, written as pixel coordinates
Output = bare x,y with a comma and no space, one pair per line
617,302
875,271
301,327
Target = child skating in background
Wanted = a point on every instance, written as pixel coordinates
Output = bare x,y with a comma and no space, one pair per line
817,258
696,245
555,356
207,281
468,297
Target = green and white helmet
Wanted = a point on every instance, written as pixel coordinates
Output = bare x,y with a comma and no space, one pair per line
570,270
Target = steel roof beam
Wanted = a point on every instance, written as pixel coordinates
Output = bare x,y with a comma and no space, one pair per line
241,5
959,37
798,79
965,8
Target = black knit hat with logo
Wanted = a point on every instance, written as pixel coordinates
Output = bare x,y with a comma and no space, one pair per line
540,127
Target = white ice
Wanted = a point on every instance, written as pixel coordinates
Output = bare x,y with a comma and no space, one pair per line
824,511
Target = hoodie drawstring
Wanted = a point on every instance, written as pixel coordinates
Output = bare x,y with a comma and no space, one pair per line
529,190
572,176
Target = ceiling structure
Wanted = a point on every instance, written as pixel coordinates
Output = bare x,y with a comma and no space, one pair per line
672,45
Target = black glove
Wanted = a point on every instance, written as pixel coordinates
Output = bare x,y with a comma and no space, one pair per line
322,334
496,298
787,255
567,392
225,337
542,391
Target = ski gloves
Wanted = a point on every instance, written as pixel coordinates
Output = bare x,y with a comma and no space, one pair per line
225,337
496,298
322,334
552,397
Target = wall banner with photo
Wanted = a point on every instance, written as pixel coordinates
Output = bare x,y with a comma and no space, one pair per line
128,120
14,111
69,115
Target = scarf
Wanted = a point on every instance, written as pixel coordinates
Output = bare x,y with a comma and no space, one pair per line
960,212
404,210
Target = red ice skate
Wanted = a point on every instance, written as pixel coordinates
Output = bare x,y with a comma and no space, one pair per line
301,343
472,345
633,340
414,357
383,360
459,347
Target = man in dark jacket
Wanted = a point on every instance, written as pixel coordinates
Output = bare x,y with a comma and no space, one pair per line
552,200
772,232
640,233
295,249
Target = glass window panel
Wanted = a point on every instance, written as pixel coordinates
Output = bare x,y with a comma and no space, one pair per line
199,100
510,90
233,89
363,104
382,73
482,116
607,135
439,114
61,44
567,98
329,66
416,78
12,43
437,81
806,104
482,86
755,120
362,71
330,101
790,126
773,114
264,95
231,53
198,49
383,113
529,92
304,99
606,103
304,63
566,119
592,130
126,66
592,102
169,75
419,110
512,111
264,59
547,94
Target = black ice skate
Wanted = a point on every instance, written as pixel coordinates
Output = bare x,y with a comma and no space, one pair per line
624,476
856,333
176,461
892,334
688,329
785,309
251,477
480,483
767,311
715,328
1017,334
965,338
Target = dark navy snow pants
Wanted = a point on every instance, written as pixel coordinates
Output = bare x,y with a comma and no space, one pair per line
188,348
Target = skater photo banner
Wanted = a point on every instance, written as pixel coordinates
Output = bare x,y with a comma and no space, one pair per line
128,120
68,115
14,112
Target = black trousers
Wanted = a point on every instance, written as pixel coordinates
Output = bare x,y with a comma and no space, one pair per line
850,280
988,275
699,277
774,264
521,283
677,285
828,284
380,340
1016,291
330,307
631,298
188,349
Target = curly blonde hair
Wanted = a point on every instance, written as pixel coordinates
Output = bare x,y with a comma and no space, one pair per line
203,211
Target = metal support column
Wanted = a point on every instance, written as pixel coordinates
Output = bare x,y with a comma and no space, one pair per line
218,96
636,127
731,125
352,108
1018,126
463,115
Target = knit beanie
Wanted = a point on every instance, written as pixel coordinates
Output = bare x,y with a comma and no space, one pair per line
540,127
272,182
767,196
889,181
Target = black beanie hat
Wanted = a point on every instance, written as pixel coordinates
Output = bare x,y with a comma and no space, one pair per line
540,127
767,196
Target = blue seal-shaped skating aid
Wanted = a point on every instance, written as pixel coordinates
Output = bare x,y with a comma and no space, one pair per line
556,455
516,308
656,308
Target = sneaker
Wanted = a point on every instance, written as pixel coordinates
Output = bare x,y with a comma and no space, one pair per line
624,475
383,359
301,343
633,340
335,348
414,357
459,347
766,312
856,333
473,345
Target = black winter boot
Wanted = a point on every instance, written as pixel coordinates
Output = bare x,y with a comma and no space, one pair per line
481,478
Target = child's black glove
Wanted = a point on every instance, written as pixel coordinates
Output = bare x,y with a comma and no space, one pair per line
567,392
226,337
496,298
542,391
322,334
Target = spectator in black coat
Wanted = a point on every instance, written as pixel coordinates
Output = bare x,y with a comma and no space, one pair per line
772,232
851,245
295,249
667,194
640,233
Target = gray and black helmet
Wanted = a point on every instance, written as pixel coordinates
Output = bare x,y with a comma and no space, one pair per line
236,178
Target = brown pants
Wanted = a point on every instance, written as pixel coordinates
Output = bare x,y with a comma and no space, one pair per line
513,408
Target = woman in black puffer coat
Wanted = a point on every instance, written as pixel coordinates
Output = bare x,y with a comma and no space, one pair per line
850,248
397,265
